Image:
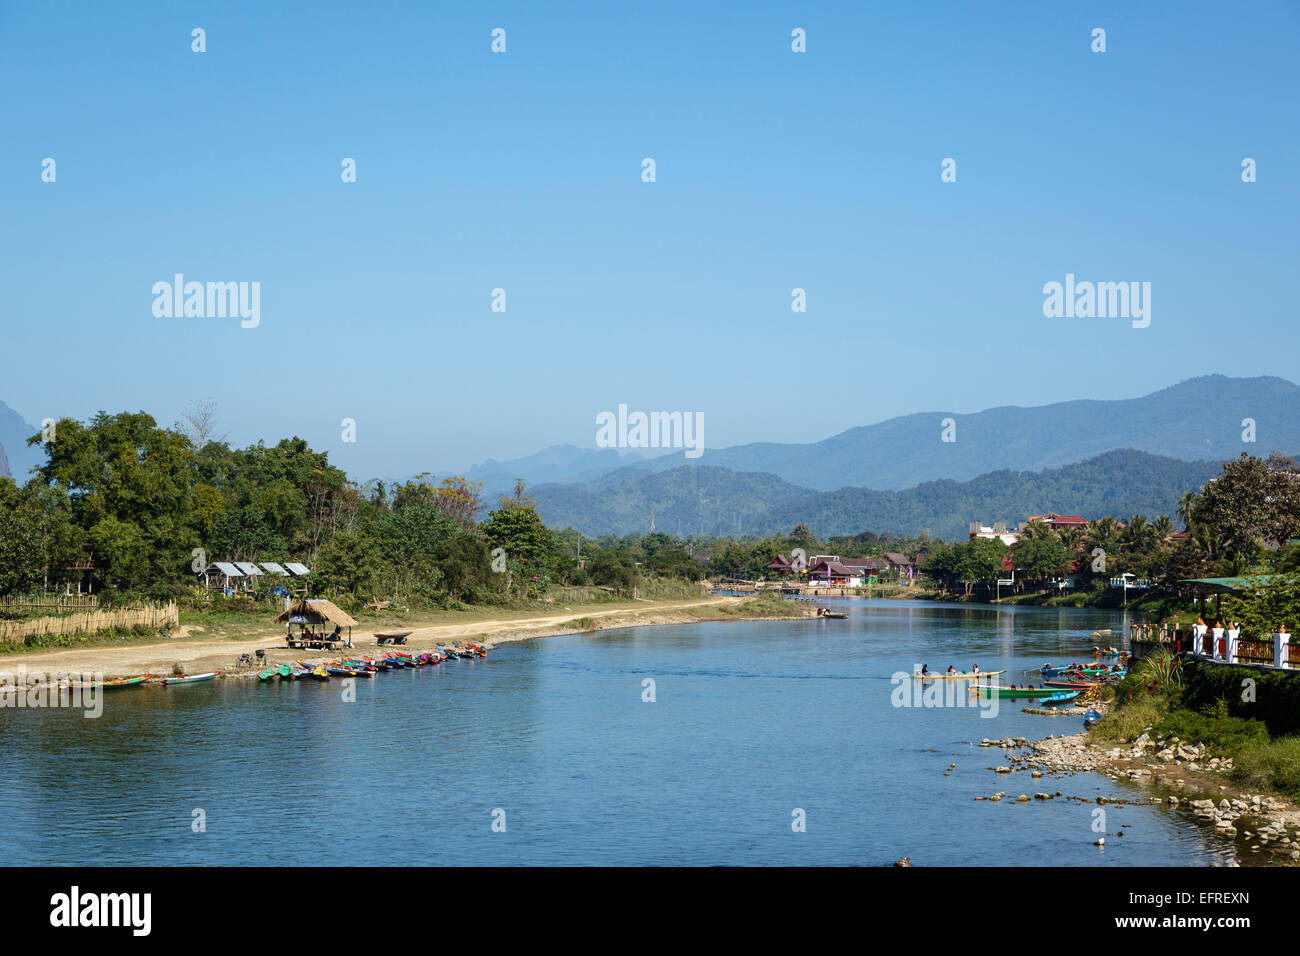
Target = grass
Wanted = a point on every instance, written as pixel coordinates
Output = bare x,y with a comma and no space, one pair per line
1274,766
1131,720
109,638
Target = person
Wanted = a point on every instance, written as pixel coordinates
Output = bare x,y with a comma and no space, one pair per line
975,670
951,669
925,670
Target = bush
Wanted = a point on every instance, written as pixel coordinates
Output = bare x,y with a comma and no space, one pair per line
1274,697
1275,766
1131,720
1224,736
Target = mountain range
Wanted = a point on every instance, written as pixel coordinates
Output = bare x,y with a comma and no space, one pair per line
17,458
1197,419
707,500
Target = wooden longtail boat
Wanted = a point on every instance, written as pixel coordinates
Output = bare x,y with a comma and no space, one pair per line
1007,693
116,683
938,676
1062,698
190,678
1075,685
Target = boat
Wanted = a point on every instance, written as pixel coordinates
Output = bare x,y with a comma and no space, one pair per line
1071,685
938,676
115,683
285,672
397,637
1090,670
1006,693
266,675
1064,697
190,678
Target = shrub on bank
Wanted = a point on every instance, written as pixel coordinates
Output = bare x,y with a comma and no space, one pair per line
1130,721
1269,696
1274,766
1223,736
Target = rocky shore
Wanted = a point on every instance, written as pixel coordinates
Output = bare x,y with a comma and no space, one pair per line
1186,778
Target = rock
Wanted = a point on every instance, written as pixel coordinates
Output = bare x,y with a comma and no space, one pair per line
1173,801
1100,841
905,861
1022,799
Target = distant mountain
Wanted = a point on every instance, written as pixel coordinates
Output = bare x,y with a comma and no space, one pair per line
16,457
1194,420
710,500
557,464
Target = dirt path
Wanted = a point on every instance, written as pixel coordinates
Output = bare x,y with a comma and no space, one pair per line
196,655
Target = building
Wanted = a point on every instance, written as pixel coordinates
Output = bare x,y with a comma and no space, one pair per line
831,573
996,530
780,566
1059,522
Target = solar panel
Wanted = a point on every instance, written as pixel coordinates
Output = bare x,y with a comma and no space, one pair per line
229,570
249,568
272,568
296,568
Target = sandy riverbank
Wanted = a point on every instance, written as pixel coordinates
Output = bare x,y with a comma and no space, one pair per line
197,655
1182,777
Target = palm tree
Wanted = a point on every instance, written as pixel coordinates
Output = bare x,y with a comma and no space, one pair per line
1186,505
1164,528
1138,533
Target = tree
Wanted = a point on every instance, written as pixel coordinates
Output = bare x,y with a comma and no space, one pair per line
519,499
199,423
1251,503
1041,557
22,558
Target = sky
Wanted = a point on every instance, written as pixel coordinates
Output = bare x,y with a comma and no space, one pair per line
522,171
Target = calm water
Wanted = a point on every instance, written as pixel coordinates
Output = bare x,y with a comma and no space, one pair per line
752,720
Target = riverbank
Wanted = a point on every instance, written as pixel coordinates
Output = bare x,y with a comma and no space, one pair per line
1184,779
196,653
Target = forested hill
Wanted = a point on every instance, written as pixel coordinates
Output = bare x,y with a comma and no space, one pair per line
717,501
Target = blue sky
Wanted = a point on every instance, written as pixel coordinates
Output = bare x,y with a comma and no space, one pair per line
522,170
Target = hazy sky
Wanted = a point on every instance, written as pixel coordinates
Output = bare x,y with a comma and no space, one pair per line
523,171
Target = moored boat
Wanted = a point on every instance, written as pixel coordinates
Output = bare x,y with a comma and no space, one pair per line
938,676
1064,697
190,678
114,684
1006,693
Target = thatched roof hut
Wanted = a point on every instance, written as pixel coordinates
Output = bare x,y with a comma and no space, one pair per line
317,611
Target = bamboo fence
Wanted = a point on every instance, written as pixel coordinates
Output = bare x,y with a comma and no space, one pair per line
90,622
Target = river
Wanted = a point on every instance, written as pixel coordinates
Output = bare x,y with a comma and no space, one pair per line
754,726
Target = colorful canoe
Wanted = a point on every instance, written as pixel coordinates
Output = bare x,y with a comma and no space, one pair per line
937,676
1057,699
190,678
116,683
1007,693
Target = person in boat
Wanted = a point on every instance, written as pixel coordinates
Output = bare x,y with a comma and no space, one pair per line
951,669
925,670
975,669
